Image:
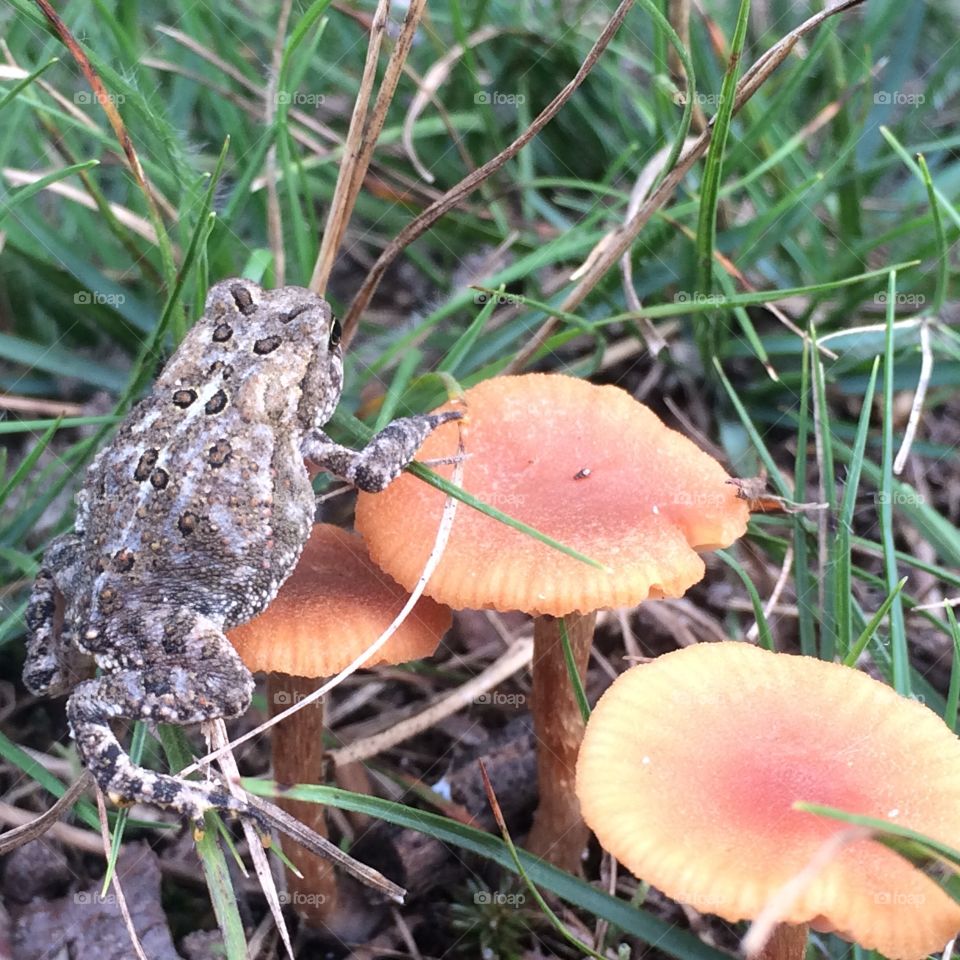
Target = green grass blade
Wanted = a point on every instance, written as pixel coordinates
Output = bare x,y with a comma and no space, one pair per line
33,769
579,694
659,933
12,93
898,632
871,628
713,168
805,584
766,639
840,559
223,898
953,694
943,260
31,189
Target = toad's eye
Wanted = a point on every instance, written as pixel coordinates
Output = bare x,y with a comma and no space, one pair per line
335,333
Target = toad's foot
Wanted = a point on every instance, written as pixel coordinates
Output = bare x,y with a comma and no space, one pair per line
381,461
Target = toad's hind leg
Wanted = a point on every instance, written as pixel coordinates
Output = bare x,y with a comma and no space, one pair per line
208,682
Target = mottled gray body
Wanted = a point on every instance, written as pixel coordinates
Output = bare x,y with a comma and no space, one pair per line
189,522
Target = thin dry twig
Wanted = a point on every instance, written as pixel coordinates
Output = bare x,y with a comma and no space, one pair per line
274,217
612,247
823,518
124,215
468,184
340,207
363,135
428,86
40,825
916,408
216,732
512,660
115,881
39,407
778,587
781,901
641,187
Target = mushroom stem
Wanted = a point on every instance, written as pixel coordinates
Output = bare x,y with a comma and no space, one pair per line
559,833
298,758
787,942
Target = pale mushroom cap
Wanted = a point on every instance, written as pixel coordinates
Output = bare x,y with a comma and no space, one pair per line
691,764
333,606
585,464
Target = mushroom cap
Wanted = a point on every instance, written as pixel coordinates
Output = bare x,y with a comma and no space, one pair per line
334,605
691,764
589,466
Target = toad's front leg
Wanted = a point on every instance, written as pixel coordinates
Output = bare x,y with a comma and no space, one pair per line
53,663
381,461
207,682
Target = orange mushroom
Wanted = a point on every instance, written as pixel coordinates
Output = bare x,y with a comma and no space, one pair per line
333,606
691,766
594,469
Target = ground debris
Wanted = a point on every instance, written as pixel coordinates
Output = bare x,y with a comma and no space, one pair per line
90,926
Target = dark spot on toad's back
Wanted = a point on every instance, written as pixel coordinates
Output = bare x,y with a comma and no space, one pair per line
188,523
183,398
159,478
267,345
294,313
243,299
222,333
216,404
148,460
217,455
